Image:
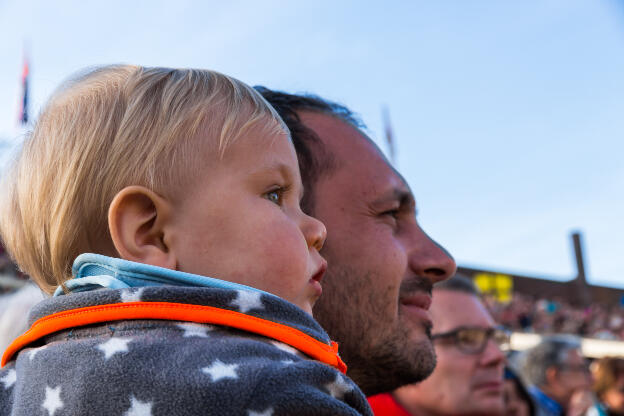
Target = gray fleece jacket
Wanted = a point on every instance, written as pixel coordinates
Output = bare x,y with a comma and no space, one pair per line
170,350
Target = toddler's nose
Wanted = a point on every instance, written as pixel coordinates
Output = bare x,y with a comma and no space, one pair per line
315,232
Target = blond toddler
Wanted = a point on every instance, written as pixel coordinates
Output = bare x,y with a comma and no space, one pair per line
160,207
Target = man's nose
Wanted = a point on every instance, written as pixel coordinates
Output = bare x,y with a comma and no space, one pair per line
314,232
492,355
429,259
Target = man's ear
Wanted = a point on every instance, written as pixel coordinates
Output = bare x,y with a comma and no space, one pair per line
551,375
138,220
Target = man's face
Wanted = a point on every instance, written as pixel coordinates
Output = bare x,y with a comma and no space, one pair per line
381,264
571,376
461,384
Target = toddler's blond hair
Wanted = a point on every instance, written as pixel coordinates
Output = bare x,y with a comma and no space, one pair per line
104,130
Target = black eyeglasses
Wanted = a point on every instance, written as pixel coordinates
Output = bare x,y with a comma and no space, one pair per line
474,339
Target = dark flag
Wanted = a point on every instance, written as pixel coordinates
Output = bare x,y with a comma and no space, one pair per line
23,116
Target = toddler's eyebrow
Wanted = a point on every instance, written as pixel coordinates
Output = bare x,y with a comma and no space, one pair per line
282,168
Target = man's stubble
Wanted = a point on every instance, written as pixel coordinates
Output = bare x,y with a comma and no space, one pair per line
377,349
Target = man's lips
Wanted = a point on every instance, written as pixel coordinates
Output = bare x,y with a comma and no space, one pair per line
416,306
492,385
416,300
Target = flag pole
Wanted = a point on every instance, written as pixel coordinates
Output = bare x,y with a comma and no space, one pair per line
389,134
24,116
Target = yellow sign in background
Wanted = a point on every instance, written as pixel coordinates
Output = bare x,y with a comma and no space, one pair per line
499,286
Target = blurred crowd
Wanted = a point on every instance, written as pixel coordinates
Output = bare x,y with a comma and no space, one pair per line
556,380
556,316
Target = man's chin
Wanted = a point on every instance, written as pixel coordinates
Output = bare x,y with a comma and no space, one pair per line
486,401
486,408
383,349
423,359
419,350
399,361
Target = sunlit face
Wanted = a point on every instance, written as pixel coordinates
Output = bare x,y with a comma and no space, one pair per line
614,397
240,221
461,384
382,265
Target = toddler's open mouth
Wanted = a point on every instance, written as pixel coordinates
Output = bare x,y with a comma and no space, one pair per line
315,280
320,272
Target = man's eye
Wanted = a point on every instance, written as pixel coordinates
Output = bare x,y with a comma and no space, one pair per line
394,213
275,196
471,337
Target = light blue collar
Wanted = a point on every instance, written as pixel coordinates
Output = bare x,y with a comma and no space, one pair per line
94,271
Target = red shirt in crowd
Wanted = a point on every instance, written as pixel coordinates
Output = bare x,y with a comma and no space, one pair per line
385,405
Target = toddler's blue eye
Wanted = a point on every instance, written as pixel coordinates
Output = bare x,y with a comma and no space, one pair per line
275,196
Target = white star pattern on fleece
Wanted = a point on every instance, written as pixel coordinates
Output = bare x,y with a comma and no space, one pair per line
339,387
247,300
113,346
219,370
131,295
139,408
267,412
52,400
35,351
284,347
195,330
9,379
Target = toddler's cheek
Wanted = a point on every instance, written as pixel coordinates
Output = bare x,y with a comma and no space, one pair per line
288,248
288,276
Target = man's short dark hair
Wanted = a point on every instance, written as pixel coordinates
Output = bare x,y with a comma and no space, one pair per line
458,283
552,351
314,161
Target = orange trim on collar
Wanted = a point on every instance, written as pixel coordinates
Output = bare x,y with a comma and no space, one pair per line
177,312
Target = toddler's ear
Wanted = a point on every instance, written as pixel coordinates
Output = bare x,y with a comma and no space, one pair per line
138,220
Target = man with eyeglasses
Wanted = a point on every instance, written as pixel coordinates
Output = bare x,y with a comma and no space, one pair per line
559,375
468,378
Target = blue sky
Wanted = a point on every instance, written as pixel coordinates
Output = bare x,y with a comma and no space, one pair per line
507,114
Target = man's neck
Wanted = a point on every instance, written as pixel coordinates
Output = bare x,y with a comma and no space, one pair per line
414,409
